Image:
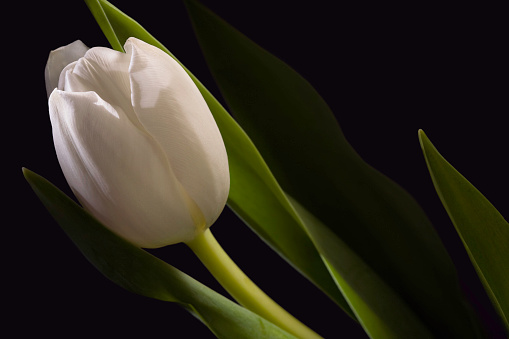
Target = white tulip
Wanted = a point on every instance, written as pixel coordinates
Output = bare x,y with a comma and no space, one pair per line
136,142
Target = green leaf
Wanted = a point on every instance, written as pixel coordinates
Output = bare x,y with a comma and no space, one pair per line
482,229
380,310
140,272
254,193
301,142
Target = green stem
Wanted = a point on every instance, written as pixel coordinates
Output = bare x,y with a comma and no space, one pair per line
240,287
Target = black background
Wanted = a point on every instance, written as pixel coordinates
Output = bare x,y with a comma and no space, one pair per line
386,70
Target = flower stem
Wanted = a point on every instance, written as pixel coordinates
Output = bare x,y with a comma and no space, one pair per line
242,289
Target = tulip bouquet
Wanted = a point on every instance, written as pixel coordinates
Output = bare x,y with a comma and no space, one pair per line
153,158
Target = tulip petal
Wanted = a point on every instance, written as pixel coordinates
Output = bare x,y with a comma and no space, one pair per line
58,59
104,71
170,107
118,172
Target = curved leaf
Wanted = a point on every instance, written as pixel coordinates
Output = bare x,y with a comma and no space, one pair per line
299,138
138,271
254,193
380,310
482,229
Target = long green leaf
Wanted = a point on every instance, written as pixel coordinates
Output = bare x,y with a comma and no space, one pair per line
254,193
380,310
138,271
299,138
482,229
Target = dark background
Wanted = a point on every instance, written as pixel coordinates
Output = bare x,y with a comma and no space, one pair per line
386,70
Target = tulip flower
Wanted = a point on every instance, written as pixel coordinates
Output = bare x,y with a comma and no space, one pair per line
136,142
141,151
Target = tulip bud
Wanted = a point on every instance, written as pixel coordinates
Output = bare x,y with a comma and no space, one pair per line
137,142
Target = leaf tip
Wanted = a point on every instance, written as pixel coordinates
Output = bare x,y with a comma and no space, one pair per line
423,139
26,173
421,135
190,4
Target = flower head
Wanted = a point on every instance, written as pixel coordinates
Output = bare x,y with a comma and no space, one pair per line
136,142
